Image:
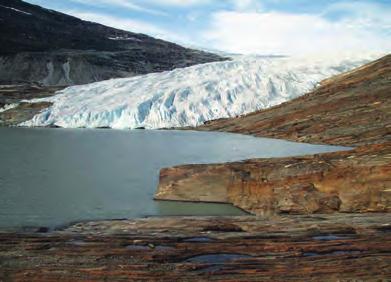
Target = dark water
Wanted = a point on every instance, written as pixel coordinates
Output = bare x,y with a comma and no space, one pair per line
50,177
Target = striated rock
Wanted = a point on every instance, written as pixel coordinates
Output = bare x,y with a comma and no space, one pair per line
351,181
340,247
76,67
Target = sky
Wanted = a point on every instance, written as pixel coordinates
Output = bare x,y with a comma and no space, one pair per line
246,26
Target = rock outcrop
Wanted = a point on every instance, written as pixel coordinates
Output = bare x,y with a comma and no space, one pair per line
15,111
352,109
51,48
351,181
338,247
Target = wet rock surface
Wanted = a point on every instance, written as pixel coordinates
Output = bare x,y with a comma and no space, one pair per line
158,249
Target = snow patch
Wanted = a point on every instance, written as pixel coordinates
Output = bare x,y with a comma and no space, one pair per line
190,96
125,38
8,107
16,10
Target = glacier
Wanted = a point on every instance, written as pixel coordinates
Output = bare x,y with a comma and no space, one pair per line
190,96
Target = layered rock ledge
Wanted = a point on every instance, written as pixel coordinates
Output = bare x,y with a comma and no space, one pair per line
352,109
339,247
351,181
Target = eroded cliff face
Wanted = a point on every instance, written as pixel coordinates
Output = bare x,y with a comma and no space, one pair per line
352,109
357,181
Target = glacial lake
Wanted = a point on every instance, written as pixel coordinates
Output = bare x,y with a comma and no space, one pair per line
52,177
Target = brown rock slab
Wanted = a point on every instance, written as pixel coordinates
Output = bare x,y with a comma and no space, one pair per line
340,247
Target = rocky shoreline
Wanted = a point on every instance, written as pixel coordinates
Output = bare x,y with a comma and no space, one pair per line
350,181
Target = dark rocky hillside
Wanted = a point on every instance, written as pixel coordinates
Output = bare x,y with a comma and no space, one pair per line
51,48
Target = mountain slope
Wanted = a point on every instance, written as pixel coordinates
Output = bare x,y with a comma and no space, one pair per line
350,109
41,45
191,96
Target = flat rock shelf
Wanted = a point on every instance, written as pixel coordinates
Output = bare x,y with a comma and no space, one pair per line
339,247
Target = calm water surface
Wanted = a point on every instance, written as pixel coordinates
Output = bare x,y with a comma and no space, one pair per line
51,177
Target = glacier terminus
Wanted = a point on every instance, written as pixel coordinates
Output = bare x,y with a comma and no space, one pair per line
193,95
